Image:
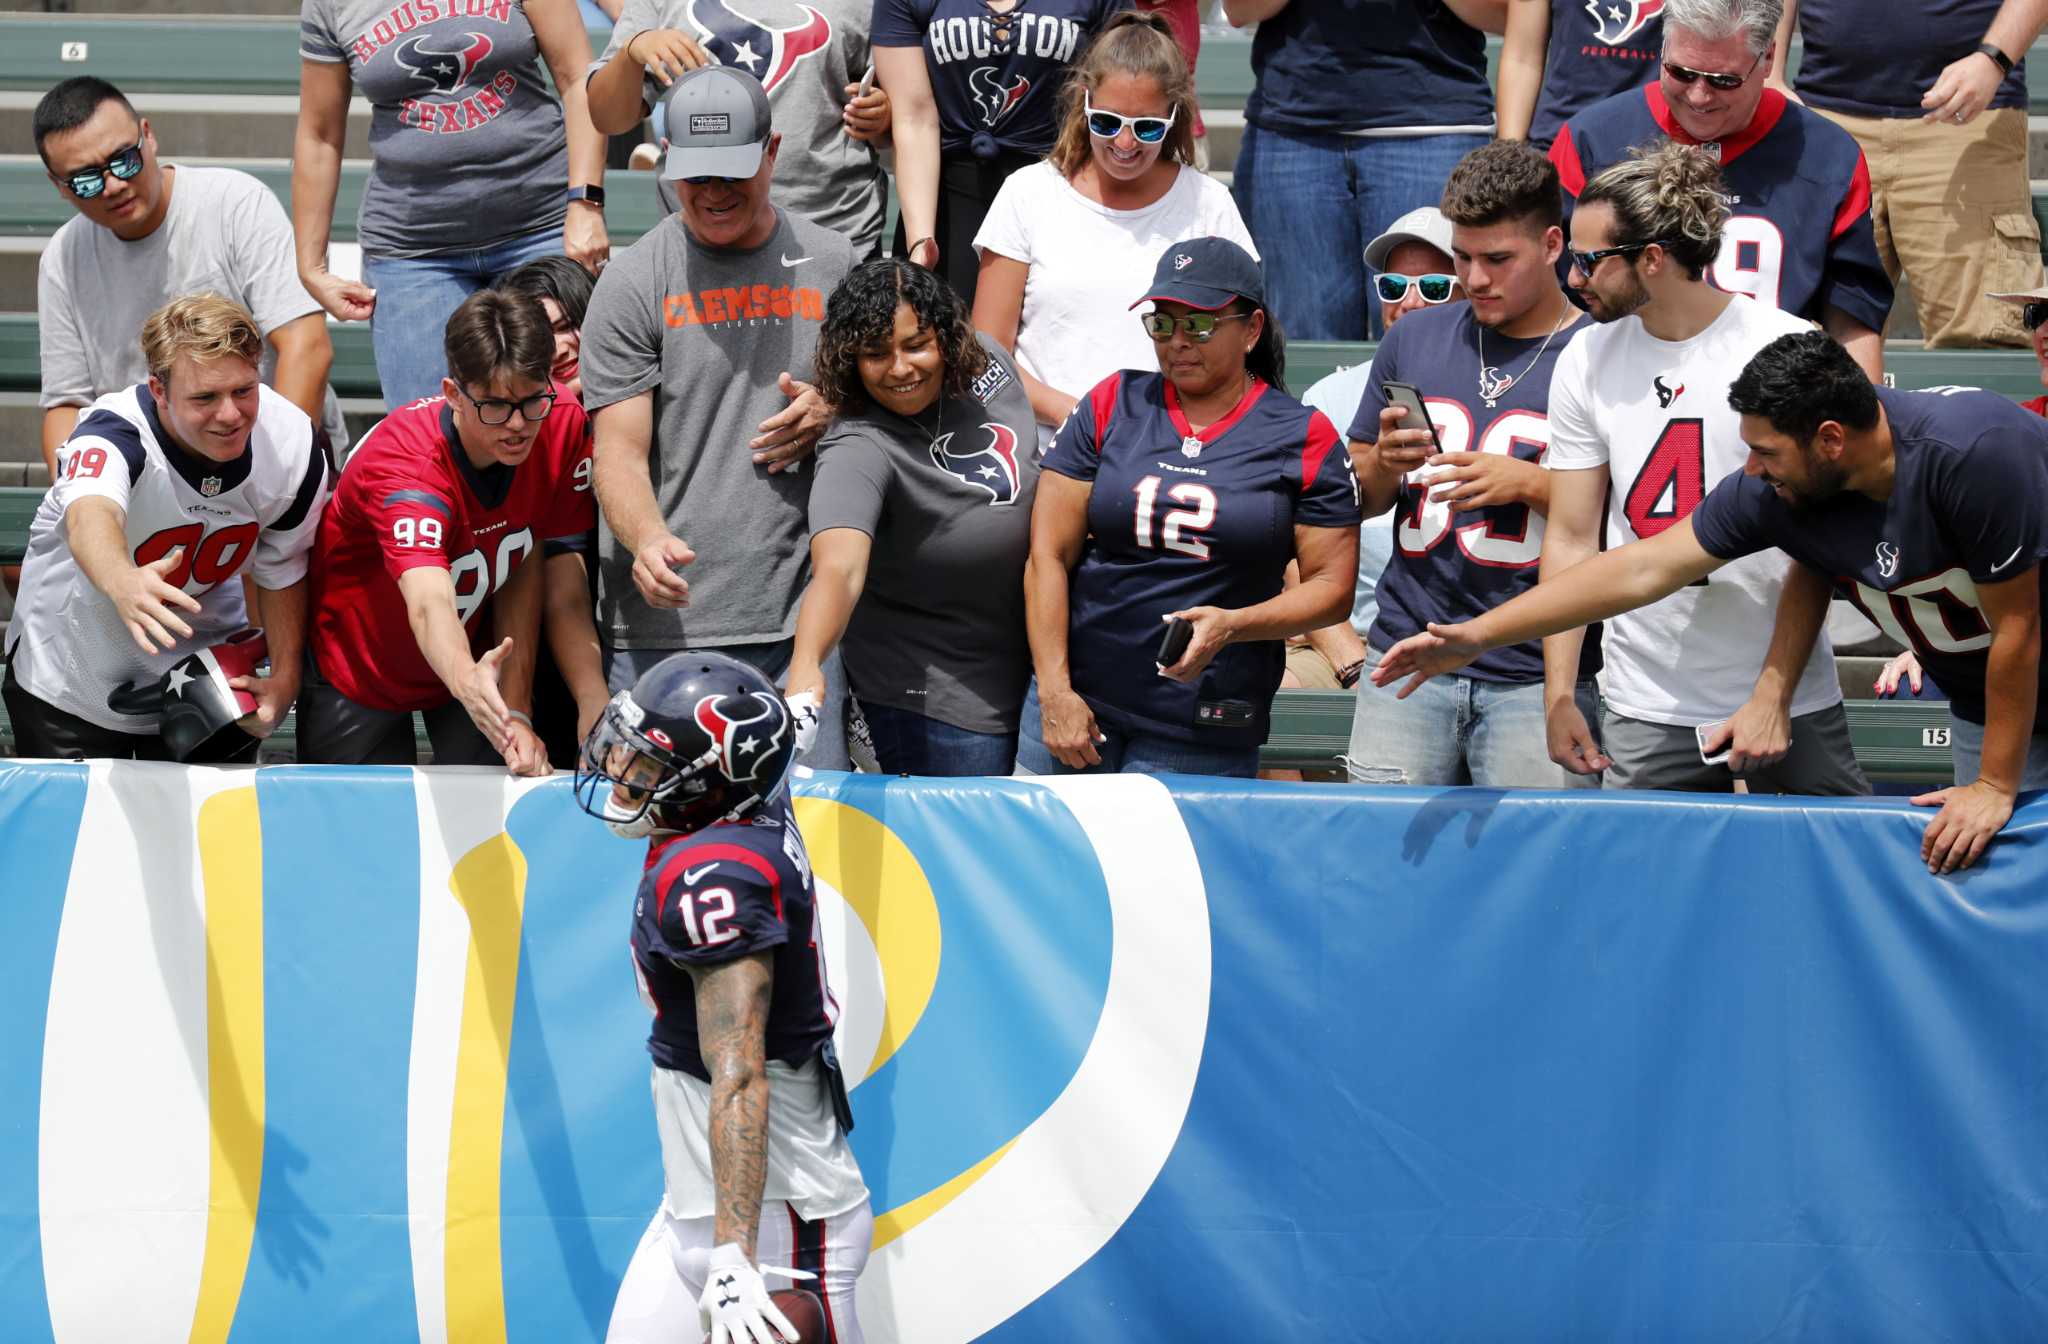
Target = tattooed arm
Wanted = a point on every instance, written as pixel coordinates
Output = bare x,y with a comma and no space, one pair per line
732,1033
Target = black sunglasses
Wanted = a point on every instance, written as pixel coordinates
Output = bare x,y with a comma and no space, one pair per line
86,183
1584,262
494,412
2034,314
1683,75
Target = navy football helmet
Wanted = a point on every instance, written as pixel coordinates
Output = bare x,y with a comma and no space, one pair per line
700,738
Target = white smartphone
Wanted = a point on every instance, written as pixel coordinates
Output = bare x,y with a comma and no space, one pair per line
1705,733
867,81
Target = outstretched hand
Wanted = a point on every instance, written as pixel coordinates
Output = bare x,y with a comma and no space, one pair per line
1440,649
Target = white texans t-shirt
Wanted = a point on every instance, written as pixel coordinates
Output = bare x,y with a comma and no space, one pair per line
1089,264
1656,415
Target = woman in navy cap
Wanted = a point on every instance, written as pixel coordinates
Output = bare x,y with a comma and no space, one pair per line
1183,496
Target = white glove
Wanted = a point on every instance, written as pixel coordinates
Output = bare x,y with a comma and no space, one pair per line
803,708
734,1308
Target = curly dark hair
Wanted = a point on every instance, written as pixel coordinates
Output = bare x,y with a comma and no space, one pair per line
862,314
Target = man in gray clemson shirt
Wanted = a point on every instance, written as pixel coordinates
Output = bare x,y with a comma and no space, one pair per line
699,338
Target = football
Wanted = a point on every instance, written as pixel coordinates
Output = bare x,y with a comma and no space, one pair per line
805,1312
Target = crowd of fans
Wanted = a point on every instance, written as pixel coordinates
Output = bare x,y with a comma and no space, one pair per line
964,499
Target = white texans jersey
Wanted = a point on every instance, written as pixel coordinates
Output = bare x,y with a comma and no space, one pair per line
1655,415
258,513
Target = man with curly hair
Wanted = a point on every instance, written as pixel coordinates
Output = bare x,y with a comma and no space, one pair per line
699,339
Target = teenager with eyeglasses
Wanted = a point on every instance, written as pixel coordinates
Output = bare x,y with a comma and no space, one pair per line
1068,238
1640,431
1182,495
1936,94
432,524
973,88
148,232
1470,497
1801,234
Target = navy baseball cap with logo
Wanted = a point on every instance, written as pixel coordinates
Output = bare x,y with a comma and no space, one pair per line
1206,273
717,123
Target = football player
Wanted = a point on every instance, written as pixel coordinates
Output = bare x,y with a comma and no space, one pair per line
166,493
440,508
748,1097
1929,510
1800,235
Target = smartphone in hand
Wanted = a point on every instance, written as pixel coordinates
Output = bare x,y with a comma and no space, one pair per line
1415,415
1174,643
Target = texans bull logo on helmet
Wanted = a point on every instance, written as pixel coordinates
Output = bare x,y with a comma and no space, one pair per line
1616,21
996,99
443,71
993,468
745,730
768,54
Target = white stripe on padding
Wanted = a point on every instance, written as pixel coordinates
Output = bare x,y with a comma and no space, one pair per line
1078,1171
124,1157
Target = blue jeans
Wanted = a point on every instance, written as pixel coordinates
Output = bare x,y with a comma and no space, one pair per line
1459,730
417,295
1966,745
1312,203
909,743
1126,753
623,667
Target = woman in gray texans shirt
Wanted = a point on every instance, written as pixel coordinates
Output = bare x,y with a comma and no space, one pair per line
920,522
474,167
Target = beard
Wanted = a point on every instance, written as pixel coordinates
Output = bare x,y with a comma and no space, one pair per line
1614,307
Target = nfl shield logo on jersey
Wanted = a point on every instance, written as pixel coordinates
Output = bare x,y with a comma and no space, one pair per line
210,486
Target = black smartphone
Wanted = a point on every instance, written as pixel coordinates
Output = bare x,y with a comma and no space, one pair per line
1409,398
1174,643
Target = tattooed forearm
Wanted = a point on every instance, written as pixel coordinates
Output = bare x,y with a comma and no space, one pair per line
732,1033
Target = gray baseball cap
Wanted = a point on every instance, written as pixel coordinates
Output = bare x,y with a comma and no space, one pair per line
1424,225
717,122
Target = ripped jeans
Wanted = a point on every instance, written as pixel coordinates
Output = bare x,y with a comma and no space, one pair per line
1459,730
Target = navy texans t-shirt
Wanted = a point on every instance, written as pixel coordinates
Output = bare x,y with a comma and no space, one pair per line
1365,65
1454,566
1595,51
1177,520
1869,61
1969,505
1008,91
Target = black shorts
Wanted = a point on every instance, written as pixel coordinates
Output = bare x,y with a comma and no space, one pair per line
335,730
43,730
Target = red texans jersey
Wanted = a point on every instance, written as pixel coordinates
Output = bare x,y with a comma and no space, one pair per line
1178,519
713,896
409,496
1798,234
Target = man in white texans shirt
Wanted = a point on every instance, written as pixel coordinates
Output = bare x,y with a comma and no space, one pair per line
1641,404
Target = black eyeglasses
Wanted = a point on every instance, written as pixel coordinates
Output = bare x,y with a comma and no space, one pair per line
1108,125
1436,288
1683,75
2034,314
1200,327
1584,262
86,183
494,412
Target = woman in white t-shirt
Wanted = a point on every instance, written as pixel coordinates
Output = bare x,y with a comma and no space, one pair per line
1069,239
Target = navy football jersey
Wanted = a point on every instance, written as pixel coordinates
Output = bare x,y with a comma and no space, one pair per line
731,889
1176,520
1879,69
1969,505
1798,234
1008,91
1595,51
1454,566
1321,66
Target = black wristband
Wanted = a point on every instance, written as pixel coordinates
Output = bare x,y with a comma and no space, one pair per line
1991,49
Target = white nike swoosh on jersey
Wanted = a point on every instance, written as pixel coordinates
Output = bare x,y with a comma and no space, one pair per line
2008,560
690,875
794,262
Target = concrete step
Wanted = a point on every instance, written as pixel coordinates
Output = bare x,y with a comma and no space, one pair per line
201,126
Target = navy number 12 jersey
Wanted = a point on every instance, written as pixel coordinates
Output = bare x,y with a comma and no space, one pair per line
1178,519
725,892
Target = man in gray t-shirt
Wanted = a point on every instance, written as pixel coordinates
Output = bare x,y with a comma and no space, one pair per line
809,58
698,339
157,234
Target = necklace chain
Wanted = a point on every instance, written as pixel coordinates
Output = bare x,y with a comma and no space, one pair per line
1492,385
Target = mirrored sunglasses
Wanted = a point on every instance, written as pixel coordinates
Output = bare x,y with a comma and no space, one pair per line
1685,75
87,183
1200,327
1108,125
1394,288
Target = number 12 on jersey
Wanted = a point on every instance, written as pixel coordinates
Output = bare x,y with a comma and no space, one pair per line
1176,527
